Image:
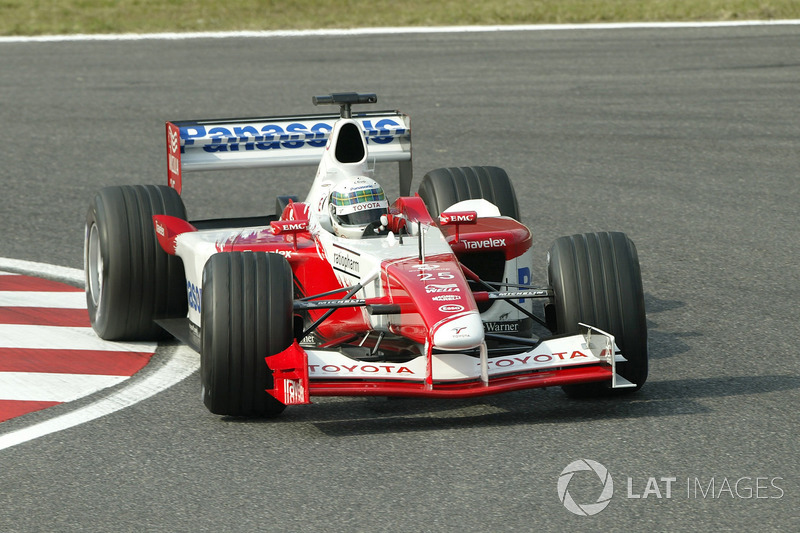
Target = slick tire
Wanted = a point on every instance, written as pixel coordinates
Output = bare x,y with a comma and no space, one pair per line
130,280
444,187
596,280
246,315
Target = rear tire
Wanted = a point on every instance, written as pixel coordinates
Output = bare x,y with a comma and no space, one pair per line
444,187
130,280
246,315
596,280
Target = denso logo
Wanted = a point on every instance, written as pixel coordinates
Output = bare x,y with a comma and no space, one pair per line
234,138
195,295
486,243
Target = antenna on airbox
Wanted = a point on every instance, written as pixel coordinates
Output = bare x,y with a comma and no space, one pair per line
345,101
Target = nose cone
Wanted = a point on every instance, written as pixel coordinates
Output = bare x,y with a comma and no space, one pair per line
459,333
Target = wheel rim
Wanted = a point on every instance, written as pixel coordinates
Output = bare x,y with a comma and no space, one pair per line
95,266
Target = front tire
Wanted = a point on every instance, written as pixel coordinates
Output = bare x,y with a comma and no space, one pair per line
596,280
246,315
130,280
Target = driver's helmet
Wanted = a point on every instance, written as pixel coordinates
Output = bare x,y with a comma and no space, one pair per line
354,204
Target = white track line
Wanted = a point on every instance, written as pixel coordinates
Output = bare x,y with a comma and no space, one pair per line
60,337
46,387
391,31
43,270
53,300
179,363
182,362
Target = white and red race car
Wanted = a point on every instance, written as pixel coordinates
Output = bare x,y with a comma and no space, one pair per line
345,294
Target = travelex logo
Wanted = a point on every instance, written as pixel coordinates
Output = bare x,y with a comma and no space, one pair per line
585,509
246,137
594,482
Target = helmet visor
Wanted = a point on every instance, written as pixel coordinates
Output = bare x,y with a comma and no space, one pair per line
360,218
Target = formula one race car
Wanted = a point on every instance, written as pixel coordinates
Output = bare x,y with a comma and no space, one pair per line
345,293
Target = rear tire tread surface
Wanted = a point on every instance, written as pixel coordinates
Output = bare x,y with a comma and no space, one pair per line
443,187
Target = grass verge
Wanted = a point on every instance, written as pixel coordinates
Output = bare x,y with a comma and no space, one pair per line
53,17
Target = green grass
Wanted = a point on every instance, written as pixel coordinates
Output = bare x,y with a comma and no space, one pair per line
47,17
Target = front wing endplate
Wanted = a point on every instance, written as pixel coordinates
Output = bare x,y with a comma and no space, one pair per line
290,376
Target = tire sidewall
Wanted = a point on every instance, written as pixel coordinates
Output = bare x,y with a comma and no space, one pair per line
109,234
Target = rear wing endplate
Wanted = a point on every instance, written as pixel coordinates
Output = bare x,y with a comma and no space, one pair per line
281,141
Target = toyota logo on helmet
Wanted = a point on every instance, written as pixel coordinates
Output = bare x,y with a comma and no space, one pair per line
354,204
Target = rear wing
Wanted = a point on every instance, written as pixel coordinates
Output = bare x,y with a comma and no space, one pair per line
281,141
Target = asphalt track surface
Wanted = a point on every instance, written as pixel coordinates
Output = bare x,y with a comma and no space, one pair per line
686,139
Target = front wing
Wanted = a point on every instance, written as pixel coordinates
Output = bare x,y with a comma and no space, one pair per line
589,356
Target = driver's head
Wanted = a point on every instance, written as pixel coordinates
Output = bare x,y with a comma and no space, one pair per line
354,204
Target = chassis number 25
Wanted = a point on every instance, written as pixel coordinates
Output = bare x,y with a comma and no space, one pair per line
433,276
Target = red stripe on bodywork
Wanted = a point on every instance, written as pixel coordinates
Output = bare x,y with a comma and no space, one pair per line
13,408
94,362
45,316
27,283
